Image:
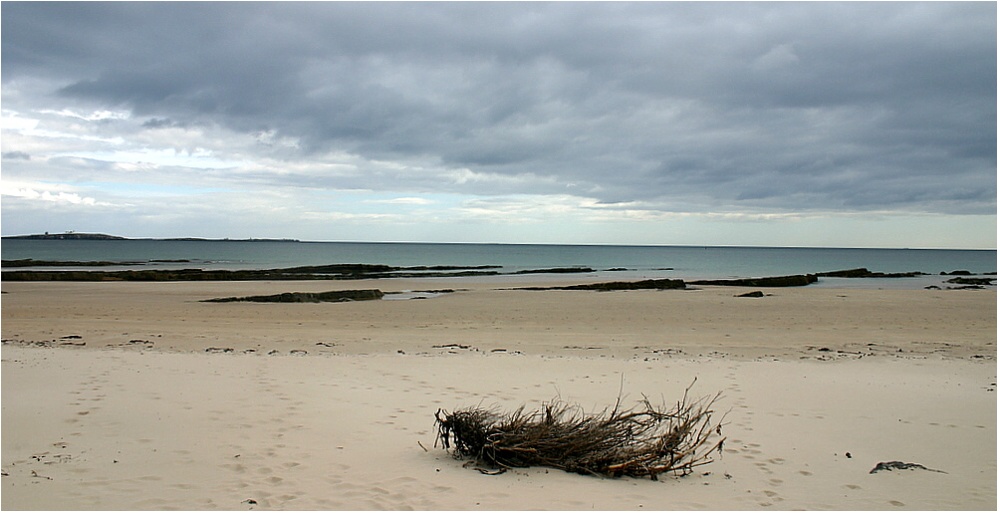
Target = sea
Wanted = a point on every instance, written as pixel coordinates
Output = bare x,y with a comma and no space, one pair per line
608,261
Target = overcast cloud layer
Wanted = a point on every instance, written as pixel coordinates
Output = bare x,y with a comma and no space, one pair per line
440,121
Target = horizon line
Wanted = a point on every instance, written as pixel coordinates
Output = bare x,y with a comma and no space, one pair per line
53,237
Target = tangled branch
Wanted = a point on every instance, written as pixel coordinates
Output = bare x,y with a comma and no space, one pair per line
642,442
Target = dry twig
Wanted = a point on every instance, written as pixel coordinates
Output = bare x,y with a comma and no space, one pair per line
643,442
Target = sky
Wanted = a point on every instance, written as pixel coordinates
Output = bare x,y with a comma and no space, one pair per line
770,124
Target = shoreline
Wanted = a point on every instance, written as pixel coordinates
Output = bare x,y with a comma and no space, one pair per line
612,262
63,270
144,397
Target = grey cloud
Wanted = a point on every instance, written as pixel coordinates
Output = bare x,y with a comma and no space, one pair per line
15,155
155,123
748,105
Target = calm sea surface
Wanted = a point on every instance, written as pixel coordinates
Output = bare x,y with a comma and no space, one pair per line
638,261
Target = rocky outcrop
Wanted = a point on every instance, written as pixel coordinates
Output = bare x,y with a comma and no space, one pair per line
661,284
32,263
327,272
971,281
328,296
865,273
555,270
786,281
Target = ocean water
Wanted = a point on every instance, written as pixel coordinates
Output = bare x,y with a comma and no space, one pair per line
683,262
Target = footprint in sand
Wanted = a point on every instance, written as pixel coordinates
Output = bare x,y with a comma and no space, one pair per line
773,496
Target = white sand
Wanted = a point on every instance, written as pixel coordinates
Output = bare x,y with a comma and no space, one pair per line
167,426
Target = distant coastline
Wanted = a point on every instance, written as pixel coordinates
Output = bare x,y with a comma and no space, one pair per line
68,235
90,236
82,236
112,257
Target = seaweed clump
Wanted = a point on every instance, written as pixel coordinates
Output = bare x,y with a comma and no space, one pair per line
646,441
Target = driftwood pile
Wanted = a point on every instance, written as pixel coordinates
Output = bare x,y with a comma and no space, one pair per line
646,441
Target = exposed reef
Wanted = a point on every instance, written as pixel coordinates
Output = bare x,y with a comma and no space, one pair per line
379,271
327,272
666,283
865,273
972,281
556,270
33,263
786,281
328,296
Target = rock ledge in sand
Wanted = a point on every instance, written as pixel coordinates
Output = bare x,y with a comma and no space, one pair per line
328,296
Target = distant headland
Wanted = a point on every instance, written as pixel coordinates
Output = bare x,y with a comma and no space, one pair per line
84,236
67,235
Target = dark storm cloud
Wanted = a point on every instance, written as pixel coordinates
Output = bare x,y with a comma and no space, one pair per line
787,106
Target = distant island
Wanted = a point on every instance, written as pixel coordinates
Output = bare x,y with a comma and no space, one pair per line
68,235
83,236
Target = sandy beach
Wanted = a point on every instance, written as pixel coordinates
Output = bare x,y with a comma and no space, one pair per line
139,396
